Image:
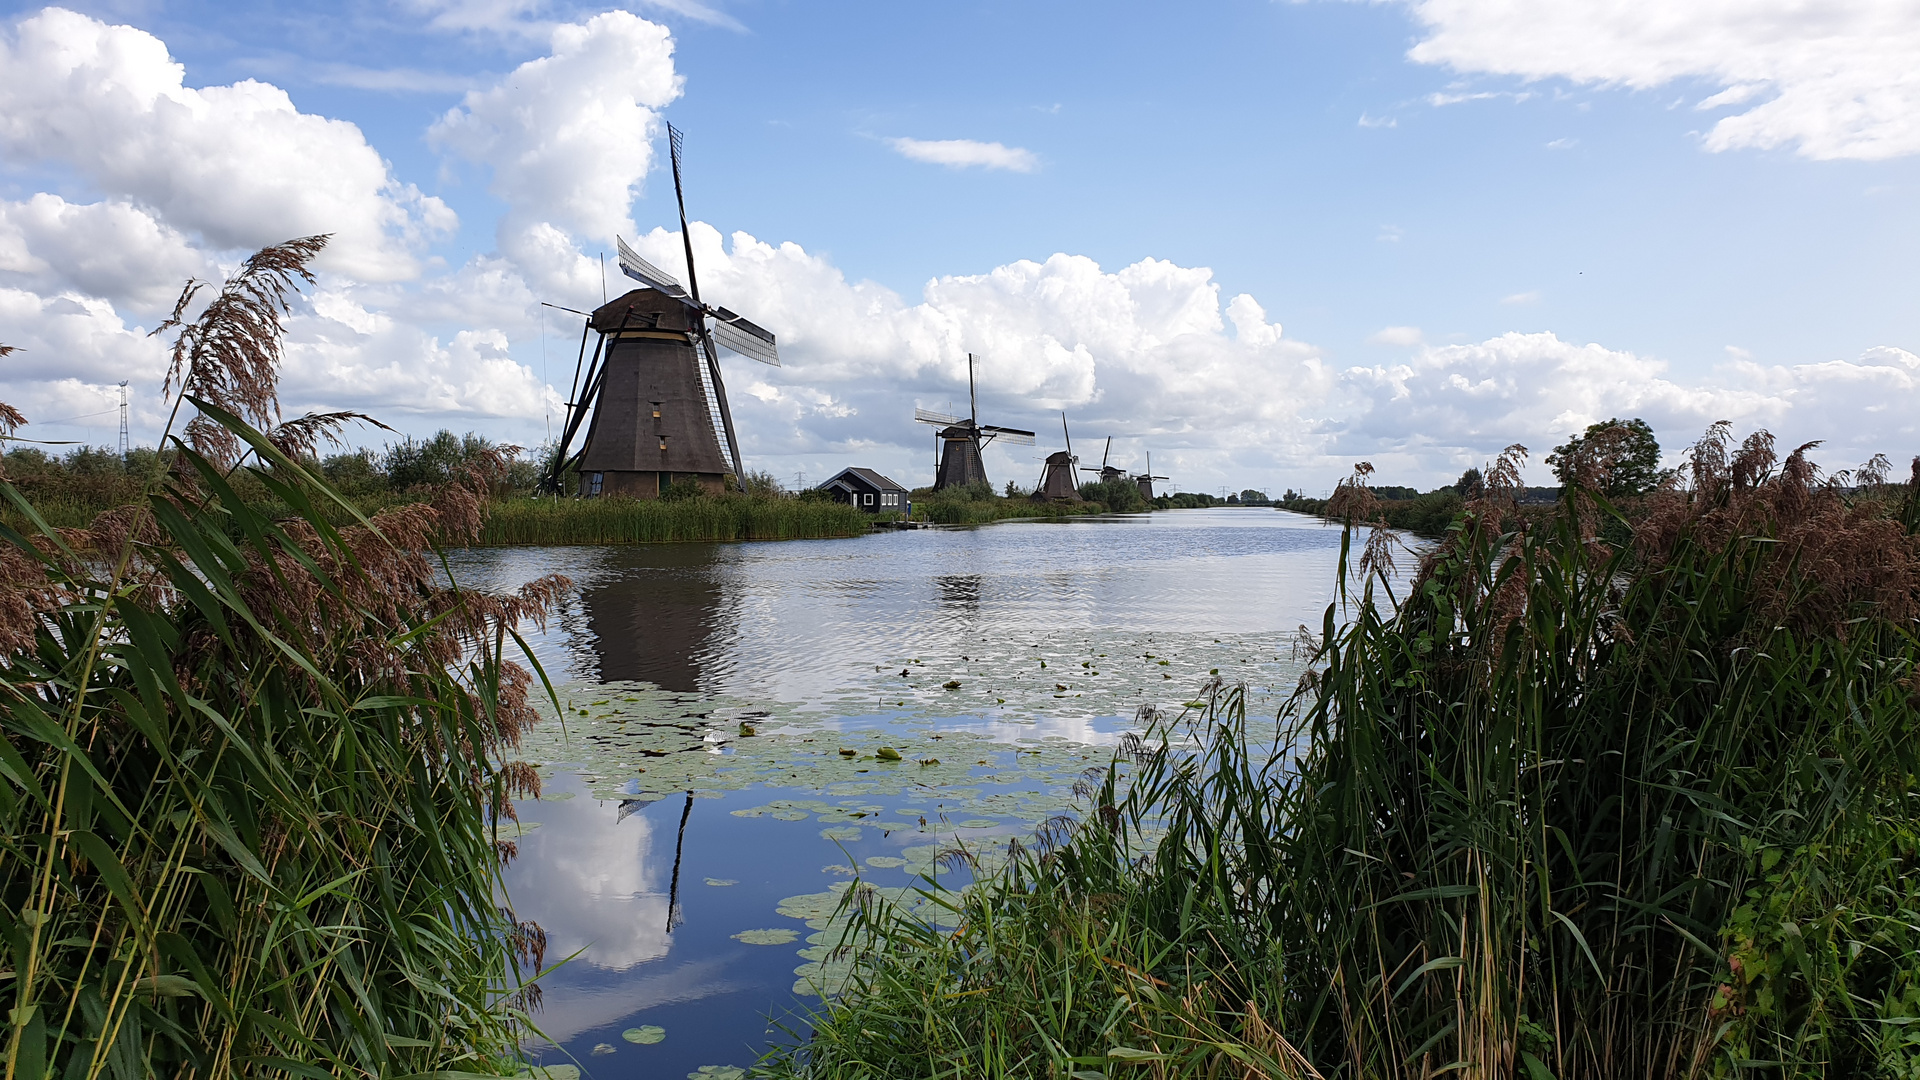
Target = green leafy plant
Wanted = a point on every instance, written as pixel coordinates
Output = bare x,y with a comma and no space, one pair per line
253,761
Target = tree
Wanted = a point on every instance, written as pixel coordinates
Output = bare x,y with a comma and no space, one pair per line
1620,457
1471,484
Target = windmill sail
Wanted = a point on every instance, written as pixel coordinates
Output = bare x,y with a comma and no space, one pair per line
644,272
751,341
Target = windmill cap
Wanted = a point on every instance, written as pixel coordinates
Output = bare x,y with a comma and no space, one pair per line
648,309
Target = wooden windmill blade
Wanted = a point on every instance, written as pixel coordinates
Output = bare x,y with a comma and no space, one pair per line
938,419
1015,436
578,405
744,337
718,386
644,272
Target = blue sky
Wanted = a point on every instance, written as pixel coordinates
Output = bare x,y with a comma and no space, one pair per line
1516,230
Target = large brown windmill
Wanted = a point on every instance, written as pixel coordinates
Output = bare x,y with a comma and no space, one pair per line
653,386
962,437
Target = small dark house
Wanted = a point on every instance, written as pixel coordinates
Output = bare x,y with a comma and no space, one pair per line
869,491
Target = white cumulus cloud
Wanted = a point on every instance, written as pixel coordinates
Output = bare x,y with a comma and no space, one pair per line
1451,406
1148,349
967,153
1838,78
569,136
237,166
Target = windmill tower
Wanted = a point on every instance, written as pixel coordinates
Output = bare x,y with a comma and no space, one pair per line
1145,480
1106,472
1059,478
653,387
962,437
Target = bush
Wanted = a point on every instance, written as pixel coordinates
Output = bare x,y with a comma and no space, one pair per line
1118,496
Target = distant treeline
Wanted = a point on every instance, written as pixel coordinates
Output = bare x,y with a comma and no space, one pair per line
71,490
980,503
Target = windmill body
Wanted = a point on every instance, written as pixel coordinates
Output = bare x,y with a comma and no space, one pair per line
653,388
1057,479
1145,480
653,424
961,438
960,463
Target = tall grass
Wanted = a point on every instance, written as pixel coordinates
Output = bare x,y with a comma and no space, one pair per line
632,521
253,762
1566,809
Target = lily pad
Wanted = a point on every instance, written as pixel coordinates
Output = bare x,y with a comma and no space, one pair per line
779,936
551,1072
719,881
645,1034
885,862
717,1072
848,833
602,1048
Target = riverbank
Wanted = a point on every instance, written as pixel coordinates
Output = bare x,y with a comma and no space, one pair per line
1574,809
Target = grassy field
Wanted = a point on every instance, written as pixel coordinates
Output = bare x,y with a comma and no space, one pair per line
1565,809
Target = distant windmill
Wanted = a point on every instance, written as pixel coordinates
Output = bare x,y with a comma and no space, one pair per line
961,439
1058,478
658,406
1106,472
1145,480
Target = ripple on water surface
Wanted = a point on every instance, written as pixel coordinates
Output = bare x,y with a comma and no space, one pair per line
748,726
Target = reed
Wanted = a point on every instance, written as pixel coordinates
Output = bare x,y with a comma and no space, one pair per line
1567,809
635,521
253,762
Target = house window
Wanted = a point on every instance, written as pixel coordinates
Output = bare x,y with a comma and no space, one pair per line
593,483
869,498
663,442
656,410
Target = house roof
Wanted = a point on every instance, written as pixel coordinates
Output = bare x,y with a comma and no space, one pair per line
873,479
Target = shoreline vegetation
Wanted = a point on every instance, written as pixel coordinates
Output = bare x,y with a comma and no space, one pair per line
256,757
1604,793
71,490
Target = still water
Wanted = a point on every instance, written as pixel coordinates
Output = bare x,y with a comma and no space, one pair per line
747,726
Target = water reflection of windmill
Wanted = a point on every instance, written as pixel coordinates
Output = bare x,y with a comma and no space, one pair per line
658,406
961,439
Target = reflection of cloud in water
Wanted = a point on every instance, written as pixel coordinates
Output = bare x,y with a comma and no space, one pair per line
568,1009
594,882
